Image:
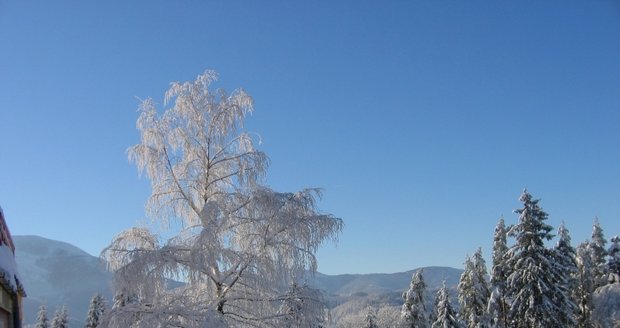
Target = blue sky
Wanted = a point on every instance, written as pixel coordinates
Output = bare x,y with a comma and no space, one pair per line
423,120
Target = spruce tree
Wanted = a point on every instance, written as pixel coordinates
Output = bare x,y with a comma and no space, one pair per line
474,292
614,260
582,293
61,318
370,320
530,285
564,277
599,254
413,311
465,291
95,311
498,307
446,315
42,321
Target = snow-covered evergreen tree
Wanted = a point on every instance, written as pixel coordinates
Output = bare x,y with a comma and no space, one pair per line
599,254
61,318
473,292
446,315
370,318
498,304
42,321
564,277
483,292
530,285
96,310
413,311
584,289
614,260
240,244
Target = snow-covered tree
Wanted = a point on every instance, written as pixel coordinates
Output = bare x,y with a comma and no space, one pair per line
599,254
61,318
614,259
388,316
584,289
240,244
565,268
42,321
473,292
301,307
498,304
96,310
446,315
370,318
413,311
530,285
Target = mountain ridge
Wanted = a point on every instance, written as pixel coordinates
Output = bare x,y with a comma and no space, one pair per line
56,273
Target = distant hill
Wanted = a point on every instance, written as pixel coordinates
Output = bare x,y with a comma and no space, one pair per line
56,273
382,283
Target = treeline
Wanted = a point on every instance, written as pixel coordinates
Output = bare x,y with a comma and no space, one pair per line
95,313
531,284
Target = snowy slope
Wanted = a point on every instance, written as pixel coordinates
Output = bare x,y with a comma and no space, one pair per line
56,273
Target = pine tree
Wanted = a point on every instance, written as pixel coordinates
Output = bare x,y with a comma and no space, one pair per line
465,290
95,311
446,315
370,320
473,292
413,311
614,259
564,277
582,293
530,285
599,254
42,321
61,318
498,307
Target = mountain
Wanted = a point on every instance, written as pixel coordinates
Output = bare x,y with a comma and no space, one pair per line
56,273
349,294
382,283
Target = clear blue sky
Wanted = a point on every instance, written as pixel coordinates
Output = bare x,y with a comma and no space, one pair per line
423,120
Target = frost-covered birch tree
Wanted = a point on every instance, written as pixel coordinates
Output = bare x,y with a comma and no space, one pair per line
413,311
301,307
240,244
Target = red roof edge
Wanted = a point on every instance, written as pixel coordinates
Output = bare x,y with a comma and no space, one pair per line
5,234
